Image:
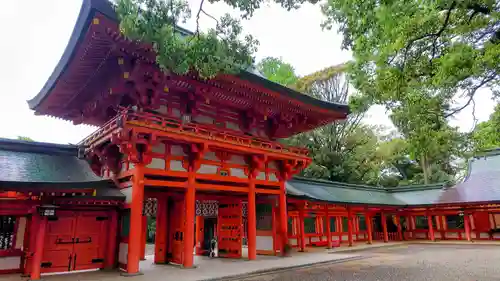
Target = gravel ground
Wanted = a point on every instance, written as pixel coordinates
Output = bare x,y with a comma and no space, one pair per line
411,262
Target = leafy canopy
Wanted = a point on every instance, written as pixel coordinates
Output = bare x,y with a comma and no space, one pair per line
219,50
486,135
276,70
402,48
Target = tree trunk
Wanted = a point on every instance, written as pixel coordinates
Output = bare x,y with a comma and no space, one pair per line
425,168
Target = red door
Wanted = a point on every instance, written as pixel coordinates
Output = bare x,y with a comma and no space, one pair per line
230,230
75,241
176,232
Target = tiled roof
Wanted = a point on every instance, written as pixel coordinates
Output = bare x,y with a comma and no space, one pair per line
42,166
482,185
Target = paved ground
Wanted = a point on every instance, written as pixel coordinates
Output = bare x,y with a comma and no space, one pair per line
409,262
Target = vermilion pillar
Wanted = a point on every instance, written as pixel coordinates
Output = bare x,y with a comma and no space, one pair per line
328,229
161,231
199,234
283,218
135,234
400,229
38,250
350,228
467,227
368,221
144,236
302,234
252,219
110,260
431,229
384,227
190,204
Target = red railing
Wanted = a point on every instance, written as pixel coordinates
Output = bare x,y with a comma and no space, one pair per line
392,236
160,123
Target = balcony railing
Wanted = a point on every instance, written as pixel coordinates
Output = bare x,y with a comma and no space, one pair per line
172,125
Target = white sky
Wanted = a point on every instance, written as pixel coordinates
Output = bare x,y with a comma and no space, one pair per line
35,33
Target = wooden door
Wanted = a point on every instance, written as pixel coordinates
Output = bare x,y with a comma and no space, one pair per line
230,231
90,240
59,242
176,231
75,241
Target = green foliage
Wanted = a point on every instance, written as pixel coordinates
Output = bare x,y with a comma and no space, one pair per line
278,71
486,135
428,48
24,138
219,50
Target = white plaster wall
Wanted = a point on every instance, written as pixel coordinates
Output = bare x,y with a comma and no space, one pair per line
437,235
292,241
237,159
176,165
123,253
21,229
272,177
420,235
496,235
203,119
345,237
261,176
264,243
159,148
451,234
233,126
238,172
162,110
10,263
157,163
207,169
128,194
314,239
177,150
176,112
210,155
484,235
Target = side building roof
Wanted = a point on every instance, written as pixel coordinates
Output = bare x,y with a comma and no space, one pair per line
26,165
481,185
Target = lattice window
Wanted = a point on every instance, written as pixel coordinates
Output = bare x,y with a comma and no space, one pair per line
7,232
309,225
264,216
455,221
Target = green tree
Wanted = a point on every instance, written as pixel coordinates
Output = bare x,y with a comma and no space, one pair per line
276,70
402,48
24,138
486,135
219,50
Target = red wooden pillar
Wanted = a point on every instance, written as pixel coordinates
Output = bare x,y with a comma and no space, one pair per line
328,229
444,227
431,229
350,227
302,235
340,227
368,221
384,227
189,201
38,250
161,231
199,234
467,227
252,219
110,260
400,229
144,236
135,234
283,217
